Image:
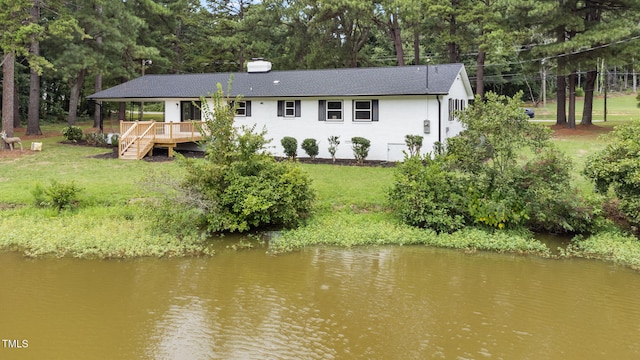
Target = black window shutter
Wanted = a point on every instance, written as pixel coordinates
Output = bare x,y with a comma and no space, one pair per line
322,110
280,107
248,105
374,111
298,111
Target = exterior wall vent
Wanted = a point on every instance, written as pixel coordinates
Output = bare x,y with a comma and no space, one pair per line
258,66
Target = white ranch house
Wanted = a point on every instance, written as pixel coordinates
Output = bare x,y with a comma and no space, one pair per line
382,104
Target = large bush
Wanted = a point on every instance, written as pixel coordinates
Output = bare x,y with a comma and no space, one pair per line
483,179
426,194
239,186
617,167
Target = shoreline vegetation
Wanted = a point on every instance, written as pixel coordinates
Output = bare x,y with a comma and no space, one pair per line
351,209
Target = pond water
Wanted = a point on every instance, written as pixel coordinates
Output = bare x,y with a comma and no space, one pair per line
365,303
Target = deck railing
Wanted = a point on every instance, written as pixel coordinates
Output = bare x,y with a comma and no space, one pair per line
145,134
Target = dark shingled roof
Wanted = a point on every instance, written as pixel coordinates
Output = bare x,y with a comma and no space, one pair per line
379,81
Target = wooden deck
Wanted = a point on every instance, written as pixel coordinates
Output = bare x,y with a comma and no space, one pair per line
138,138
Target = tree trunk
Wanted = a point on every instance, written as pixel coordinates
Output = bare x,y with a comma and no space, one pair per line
571,121
480,72
394,31
98,106
16,109
74,98
416,46
589,87
8,64
33,117
98,85
122,111
561,100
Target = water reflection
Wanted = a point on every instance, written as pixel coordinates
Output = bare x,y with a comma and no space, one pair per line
384,302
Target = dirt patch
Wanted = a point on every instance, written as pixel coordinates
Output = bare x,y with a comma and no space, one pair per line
8,154
591,131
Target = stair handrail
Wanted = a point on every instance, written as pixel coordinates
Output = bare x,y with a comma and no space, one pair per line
144,135
126,139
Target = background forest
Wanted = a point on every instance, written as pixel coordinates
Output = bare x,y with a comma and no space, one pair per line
56,52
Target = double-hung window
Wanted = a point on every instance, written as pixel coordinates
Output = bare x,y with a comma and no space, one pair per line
243,108
365,110
289,108
330,110
334,111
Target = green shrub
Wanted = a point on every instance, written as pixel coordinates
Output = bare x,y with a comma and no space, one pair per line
238,186
96,139
414,143
360,148
579,91
618,167
290,145
59,196
425,194
310,146
552,203
334,141
115,139
72,133
39,196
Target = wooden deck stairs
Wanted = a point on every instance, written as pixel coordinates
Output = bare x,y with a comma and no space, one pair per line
138,138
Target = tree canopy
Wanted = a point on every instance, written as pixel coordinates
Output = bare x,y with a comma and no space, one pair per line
507,45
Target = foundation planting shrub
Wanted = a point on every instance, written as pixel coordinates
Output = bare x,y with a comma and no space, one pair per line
290,145
310,146
334,141
360,148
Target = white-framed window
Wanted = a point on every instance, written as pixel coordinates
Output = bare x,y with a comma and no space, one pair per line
362,110
455,105
365,110
289,108
243,108
335,110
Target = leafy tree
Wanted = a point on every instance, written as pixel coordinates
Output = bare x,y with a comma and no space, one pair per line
16,30
496,131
